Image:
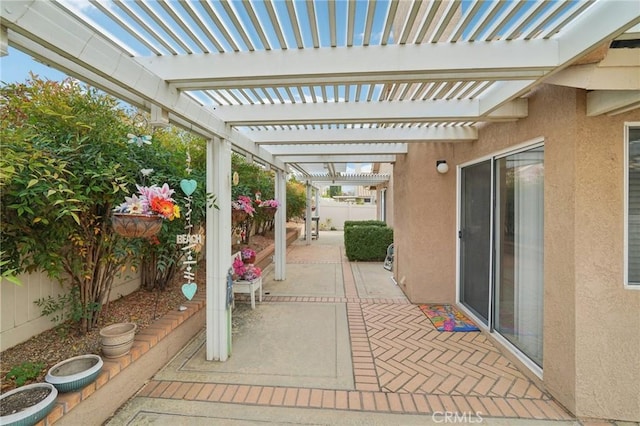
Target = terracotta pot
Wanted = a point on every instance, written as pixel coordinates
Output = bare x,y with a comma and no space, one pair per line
117,339
251,260
136,225
74,373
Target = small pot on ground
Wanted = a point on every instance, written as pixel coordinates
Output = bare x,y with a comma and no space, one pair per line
116,339
27,404
74,373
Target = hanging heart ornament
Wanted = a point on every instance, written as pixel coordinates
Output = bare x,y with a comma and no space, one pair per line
189,290
188,186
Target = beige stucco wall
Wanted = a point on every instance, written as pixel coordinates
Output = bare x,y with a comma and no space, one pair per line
607,315
425,223
591,323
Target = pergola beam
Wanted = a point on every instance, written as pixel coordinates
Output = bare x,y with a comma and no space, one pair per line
104,65
353,150
459,110
602,22
612,101
517,59
363,135
321,159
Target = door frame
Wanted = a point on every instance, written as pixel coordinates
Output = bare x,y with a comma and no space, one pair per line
514,149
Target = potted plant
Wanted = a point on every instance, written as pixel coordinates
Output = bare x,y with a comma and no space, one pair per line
269,207
241,208
248,255
27,404
116,339
74,373
141,215
245,271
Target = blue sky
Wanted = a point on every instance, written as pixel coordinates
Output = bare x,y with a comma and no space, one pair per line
15,68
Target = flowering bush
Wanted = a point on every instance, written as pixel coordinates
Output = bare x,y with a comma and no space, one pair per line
245,204
269,203
152,200
245,272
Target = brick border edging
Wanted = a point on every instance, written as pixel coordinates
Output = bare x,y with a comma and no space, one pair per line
154,338
354,400
148,339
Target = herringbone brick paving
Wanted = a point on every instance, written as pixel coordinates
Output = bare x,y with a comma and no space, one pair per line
401,364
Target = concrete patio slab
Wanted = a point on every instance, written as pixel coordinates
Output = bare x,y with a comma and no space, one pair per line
357,355
373,281
286,344
147,411
306,280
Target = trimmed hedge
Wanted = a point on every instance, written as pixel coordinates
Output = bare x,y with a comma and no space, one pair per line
367,242
349,223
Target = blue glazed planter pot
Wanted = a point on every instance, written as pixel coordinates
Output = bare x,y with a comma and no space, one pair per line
31,414
74,373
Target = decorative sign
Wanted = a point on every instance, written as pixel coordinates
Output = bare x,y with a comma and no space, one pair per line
190,240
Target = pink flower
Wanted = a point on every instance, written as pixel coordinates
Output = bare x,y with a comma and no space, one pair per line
269,203
244,203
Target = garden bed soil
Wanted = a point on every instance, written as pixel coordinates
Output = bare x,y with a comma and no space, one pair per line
20,401
57,344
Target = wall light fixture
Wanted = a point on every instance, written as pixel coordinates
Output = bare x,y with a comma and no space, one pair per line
442,166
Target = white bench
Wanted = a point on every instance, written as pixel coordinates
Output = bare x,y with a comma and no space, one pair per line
247,287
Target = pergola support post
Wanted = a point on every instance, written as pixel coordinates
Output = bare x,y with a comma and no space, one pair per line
280,242
218,241
307,216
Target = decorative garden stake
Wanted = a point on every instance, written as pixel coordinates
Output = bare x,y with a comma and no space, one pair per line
189,186
141,124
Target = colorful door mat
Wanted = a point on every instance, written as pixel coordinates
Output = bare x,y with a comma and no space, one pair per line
448,318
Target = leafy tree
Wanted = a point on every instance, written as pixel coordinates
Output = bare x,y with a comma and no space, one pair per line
334,190
65,164
296,199
254,178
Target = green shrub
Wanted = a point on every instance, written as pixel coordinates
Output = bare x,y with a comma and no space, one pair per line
25,372
349,223
367,242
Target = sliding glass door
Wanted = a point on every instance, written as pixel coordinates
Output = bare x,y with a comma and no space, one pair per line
475,241
511,258
519,268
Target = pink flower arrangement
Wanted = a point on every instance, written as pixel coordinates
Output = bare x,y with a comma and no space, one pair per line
245,204
151,200
245,272
269,203
247,253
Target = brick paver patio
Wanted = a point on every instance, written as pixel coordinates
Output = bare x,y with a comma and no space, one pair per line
401,364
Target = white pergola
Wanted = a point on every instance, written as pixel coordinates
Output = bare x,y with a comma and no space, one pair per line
309,86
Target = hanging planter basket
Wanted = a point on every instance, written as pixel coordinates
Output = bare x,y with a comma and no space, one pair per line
269,212
136,225
238,216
